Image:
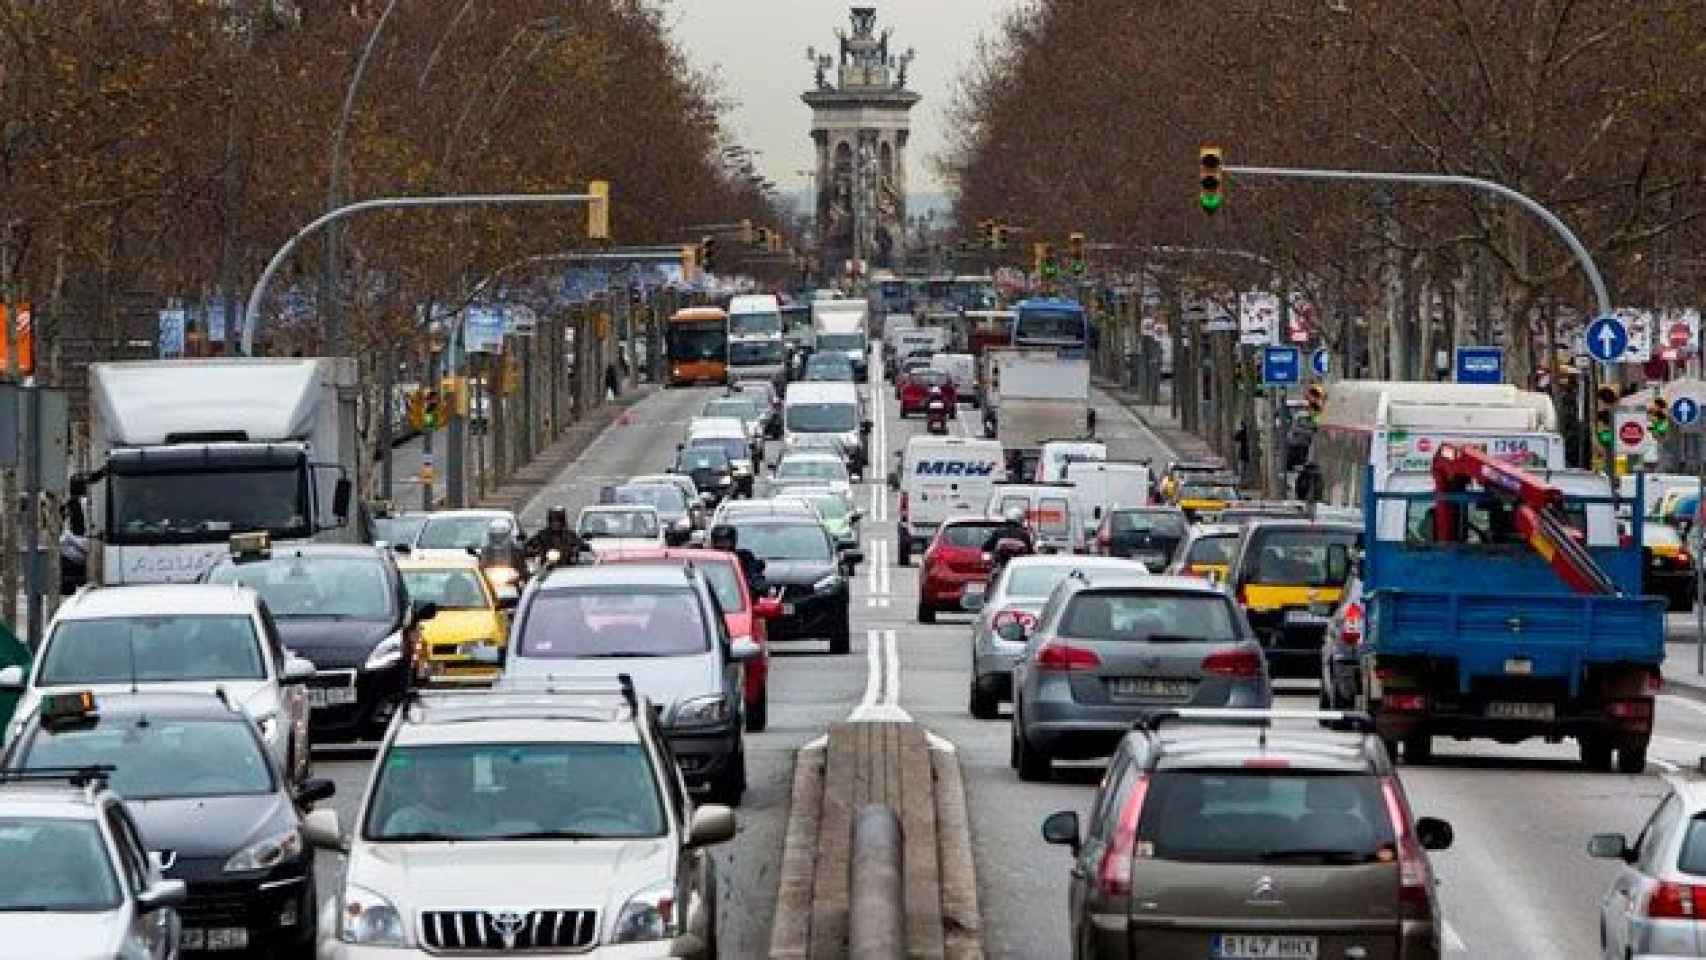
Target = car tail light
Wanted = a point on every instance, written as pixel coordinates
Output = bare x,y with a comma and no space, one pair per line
1405,702
1350,627
1114,874
1104,541
1415,879
1241,663
1243,598
1635,714
903,507
1055,656
1676,901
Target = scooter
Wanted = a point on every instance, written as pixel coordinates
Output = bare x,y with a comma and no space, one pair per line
936,416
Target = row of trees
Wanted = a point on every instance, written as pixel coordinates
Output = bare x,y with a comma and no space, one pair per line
1087,114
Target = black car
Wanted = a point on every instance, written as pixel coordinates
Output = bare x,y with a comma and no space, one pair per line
1149,535
208,800
345,608
708,467
806,571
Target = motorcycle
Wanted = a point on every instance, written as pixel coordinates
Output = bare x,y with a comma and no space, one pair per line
936,416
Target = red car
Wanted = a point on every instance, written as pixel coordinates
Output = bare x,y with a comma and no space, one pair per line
742,616
915,392
953,560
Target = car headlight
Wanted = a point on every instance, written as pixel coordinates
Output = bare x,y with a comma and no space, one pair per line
369,918
266,854
388,652
724,481
742,470
829,584
683,524
648,915
702,711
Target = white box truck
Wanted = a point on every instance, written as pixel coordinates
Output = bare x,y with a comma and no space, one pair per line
187,453
1038,397
839,326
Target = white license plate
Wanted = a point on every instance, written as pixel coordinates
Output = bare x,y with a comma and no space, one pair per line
1134,687
1519,666
787,609
216,938
1148,559
1505,710
330,696
1304,618
1264,946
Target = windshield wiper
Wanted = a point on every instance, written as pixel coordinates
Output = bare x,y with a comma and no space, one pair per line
1324,854
621,654
552,835
1181,638
420,836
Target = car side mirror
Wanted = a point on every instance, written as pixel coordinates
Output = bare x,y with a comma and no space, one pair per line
1604,846
767,608
297,670
321,829
852,558
712,823
856,516
12,678
1434,834
341,495
428,610
314,790
1061,829
742,649
865,426
1011,631
162,894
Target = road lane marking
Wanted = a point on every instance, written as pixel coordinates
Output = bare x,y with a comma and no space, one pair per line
881,703
891,689
873,674
871,575
1663,764
884,590
1684,702
1453,942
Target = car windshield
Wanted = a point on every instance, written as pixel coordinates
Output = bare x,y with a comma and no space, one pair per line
754,324
161,759
928,377
841,341
968,534
734,448
1238,816
758,392
1300,558
829,366
743,410
701,458
171,646
344,588
200,506
398,529
840,417
592,622
802,468
515,791
1049,325
786,541
1153,524
454,533
55,866
1212,550
453,589
663,497
618,523
829,506
1034,582
1147,615
1208,491
755,353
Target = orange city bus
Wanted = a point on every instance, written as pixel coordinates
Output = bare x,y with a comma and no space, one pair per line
696,341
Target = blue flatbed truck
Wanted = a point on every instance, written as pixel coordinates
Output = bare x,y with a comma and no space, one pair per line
1483,637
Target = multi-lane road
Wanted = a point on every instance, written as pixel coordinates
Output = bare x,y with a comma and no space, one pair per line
1516,884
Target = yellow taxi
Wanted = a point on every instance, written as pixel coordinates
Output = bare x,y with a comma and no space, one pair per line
464,642
1204,498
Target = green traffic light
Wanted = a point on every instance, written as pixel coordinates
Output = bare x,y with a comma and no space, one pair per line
1604,437
1659,427
1211,202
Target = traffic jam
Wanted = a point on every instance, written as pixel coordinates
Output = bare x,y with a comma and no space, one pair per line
557,725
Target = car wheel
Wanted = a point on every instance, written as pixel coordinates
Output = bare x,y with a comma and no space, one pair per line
926,612
841,641
1595,752
309,938
1418,748
1034,765
1632,758
758,712
985,705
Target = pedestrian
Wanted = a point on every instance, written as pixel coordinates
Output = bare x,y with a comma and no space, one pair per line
1309,483
612,382
1241,438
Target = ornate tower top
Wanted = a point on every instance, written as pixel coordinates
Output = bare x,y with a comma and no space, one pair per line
865,63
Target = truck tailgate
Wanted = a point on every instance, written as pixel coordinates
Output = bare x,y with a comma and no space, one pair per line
1025,423
1558,634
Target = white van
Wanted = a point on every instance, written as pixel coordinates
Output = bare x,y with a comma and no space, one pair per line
839,326
756,349
941,477
1105,485
961,368
1053,511
828,407
1057,455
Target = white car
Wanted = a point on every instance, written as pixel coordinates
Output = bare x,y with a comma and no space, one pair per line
624,526
174,638
548,822
801,467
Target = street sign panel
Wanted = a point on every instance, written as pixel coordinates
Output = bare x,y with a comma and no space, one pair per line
1607,339
1319,361
1281,366
1632,436
1685,412
1677,335
1480,365
1644,330
1258,318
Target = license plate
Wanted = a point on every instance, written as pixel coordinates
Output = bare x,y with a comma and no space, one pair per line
1135,687
330,696
216,938
1520,711
787,609
1264,946
1519,666
1304,618
1148,559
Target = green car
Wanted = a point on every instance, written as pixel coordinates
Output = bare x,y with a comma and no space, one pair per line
841,522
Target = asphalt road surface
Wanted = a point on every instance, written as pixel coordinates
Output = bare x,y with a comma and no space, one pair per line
1517,883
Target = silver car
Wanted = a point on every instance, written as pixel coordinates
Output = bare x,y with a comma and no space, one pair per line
1653,907
1017,593
1108,648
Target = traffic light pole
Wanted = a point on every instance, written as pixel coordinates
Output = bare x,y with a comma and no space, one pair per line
1528,203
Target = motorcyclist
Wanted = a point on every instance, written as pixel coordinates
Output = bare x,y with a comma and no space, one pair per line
726,537
556,535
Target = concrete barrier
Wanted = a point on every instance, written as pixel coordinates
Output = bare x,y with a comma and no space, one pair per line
876,919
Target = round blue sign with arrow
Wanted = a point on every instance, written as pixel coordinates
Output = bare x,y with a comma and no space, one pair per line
1318,361
1607,339
1685,411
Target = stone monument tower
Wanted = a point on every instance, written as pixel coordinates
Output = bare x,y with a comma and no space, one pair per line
860,124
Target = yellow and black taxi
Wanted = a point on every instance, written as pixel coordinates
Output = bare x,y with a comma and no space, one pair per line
1205,497
464,641
1205,552
1289,576
1668,570
1180,471
208,801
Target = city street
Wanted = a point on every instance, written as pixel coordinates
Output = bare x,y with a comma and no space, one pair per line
1516,883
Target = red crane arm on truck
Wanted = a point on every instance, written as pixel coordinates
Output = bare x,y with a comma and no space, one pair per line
1537,507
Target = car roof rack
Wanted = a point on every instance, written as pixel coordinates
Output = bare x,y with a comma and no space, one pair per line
1153,720
84,776
584,687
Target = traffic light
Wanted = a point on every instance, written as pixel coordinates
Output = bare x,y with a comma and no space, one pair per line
689,262
708,253
986,233
1075,253
1605,414
598,210
1658,416
432,411
417,409
761,237
998,237
1316,398
1213,181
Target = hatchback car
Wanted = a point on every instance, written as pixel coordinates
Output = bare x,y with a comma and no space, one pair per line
1149,535
1654,906
464,641
679,513
1017,593
954,562
1206,551
1252,834
1108,648
816,469
709,469
804,569
915,391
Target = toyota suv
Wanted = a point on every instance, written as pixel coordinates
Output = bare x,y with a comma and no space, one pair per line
550,821
1252,833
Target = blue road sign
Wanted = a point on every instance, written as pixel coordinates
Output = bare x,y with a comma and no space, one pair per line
1685,411
1281,366
1480,365
1607,339
1318,361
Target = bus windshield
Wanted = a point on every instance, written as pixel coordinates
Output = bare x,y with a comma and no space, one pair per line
706,340
1054,326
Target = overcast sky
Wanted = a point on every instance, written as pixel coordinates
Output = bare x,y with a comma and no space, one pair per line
758,49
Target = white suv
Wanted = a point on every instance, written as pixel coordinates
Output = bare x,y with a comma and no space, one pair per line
550,820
